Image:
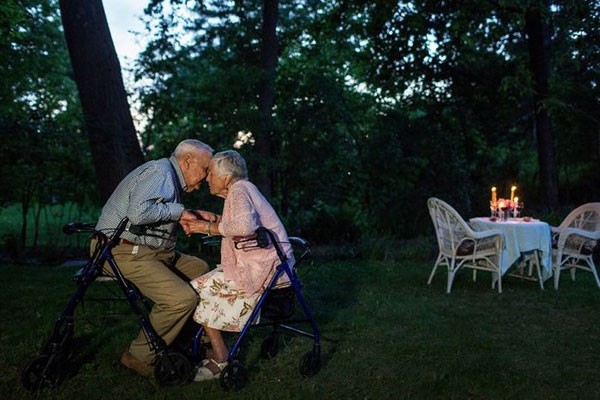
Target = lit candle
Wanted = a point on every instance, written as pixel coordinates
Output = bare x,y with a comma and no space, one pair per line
512,193
494,195
516,201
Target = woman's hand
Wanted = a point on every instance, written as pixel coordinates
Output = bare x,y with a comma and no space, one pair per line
198,226
192,226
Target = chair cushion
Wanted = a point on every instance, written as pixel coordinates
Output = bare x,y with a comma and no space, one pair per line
590,248
466,248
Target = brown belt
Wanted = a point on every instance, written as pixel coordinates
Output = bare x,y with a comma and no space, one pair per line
121,241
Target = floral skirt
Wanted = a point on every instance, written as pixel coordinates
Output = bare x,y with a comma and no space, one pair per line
223,305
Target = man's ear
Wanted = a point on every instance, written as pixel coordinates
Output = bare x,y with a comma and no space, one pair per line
188,160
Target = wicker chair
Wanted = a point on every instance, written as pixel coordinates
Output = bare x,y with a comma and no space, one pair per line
575,241
462,247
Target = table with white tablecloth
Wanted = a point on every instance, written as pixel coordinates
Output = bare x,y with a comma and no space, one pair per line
522,237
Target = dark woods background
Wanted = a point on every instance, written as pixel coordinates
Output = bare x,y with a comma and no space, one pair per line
358,110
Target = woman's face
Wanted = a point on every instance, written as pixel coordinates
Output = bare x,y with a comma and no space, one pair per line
218,185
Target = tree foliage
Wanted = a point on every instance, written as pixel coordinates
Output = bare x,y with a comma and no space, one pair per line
379,105
376,105
43,154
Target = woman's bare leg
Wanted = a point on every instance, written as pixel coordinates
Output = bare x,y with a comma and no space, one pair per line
220,352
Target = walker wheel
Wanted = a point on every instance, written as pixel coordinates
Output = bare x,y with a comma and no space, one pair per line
269,347
173,368
310,364
40,372
233,377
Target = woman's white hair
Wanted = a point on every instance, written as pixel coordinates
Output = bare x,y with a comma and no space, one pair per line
230,162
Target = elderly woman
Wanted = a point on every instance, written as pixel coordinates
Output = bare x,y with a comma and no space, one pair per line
229,293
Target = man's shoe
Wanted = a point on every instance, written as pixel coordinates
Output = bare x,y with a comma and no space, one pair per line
134,363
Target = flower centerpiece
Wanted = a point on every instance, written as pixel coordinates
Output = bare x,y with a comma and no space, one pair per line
505,208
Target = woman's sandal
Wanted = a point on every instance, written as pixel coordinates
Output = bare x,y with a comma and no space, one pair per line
205,374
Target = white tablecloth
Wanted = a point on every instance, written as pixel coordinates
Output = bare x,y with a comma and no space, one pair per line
521,237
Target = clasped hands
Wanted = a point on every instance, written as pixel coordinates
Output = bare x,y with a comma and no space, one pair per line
199,221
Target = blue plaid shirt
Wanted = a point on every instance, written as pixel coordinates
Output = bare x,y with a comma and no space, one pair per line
150,196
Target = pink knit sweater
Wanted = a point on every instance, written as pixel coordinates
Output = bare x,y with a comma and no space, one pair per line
245,209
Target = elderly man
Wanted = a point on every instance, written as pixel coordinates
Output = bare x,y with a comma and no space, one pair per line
150,196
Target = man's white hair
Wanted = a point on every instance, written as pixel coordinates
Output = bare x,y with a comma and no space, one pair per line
193,146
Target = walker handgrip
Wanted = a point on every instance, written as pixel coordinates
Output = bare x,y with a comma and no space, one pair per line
298,241
75,227
300,246
262,237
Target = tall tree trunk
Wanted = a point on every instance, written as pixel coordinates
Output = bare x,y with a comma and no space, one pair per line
114,144
36,223
538,40
25,204
265,140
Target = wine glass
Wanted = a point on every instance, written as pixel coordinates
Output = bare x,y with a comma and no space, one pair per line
518,207
504,213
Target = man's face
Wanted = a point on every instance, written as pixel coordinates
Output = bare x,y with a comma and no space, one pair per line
195,168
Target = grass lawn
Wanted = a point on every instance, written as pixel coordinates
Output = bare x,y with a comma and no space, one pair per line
386,335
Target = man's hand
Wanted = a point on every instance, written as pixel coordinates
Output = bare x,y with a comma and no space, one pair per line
188,215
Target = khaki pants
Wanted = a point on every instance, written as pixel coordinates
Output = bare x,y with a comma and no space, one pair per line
162,276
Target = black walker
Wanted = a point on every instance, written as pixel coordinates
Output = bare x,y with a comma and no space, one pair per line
173,366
